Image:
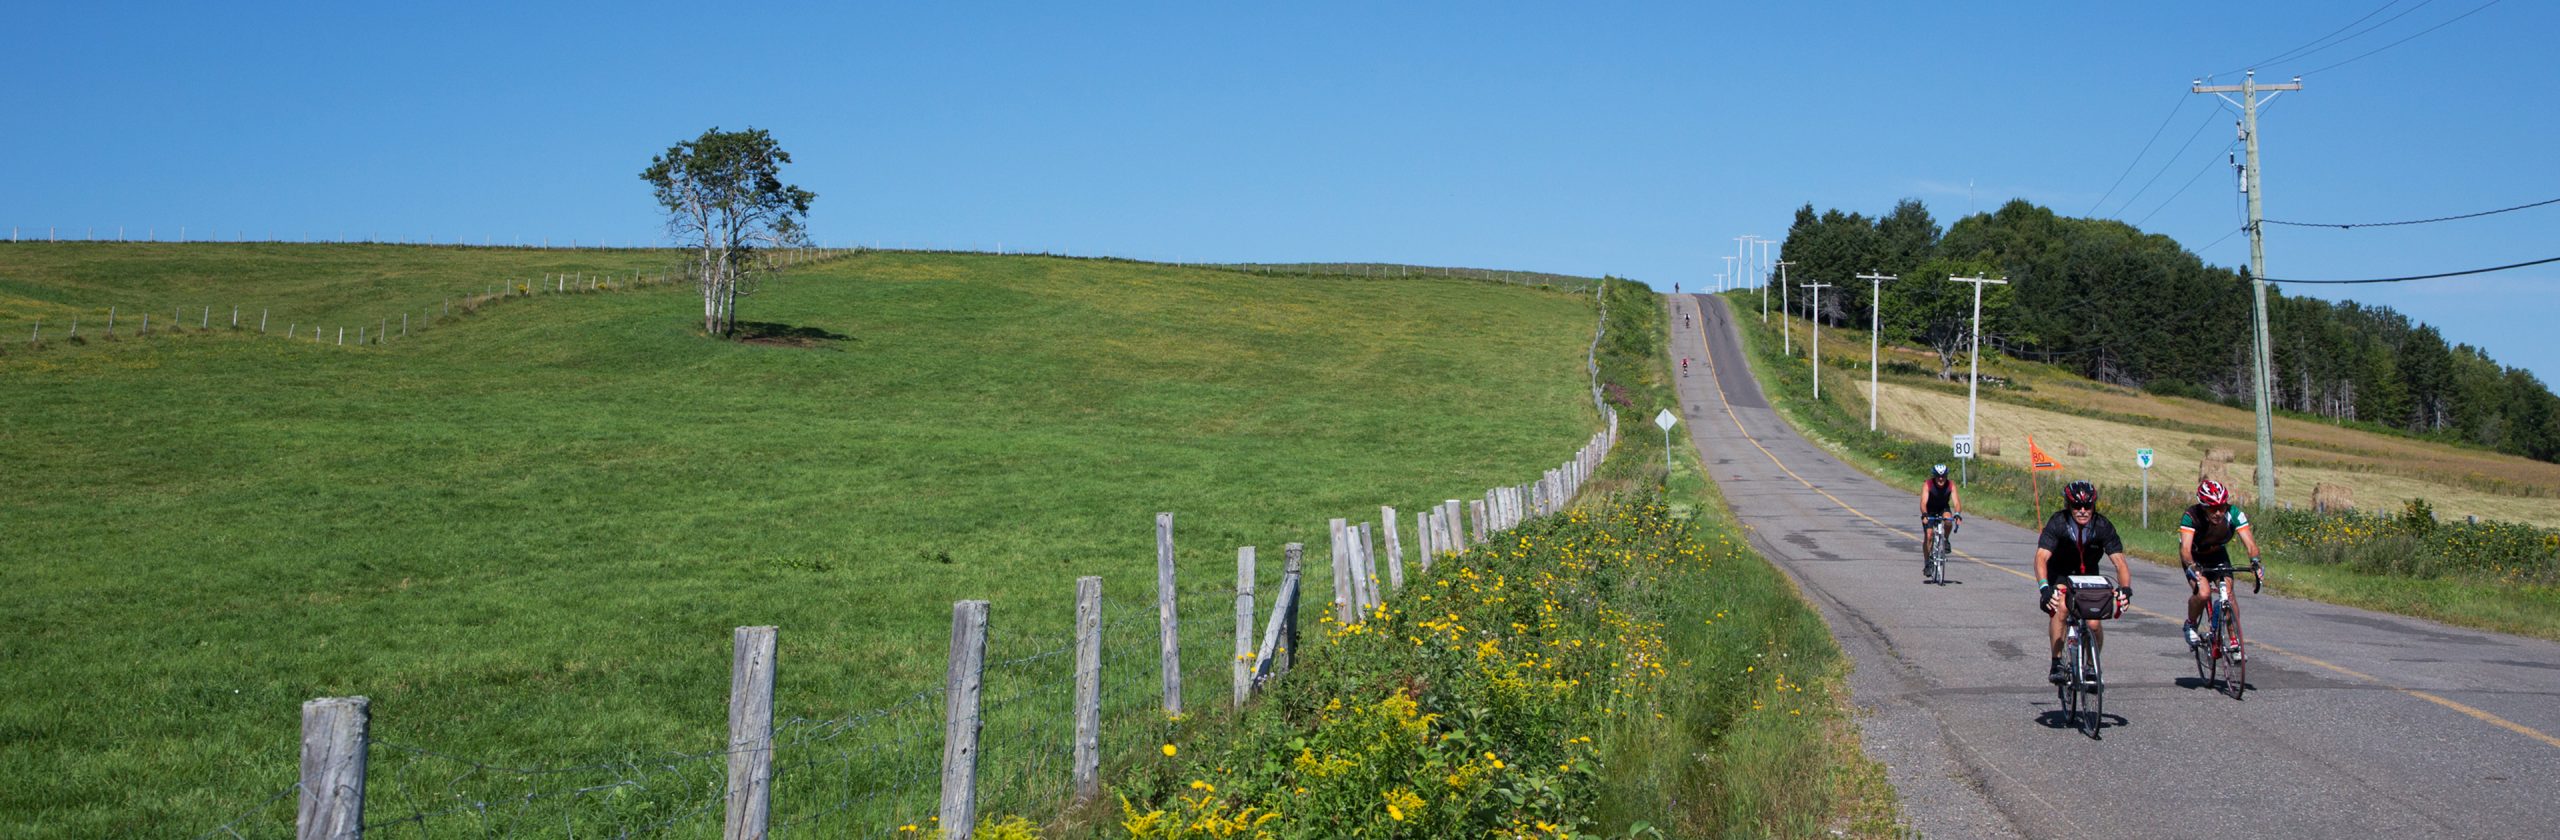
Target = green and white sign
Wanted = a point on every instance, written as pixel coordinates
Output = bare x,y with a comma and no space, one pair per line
2142,458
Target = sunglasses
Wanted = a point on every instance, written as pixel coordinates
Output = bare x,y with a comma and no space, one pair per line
2077,506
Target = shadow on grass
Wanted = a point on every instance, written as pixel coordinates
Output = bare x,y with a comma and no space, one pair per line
786,335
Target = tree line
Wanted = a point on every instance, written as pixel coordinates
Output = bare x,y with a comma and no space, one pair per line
2117,305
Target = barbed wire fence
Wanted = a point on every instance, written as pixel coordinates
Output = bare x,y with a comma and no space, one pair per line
1033,711
236,319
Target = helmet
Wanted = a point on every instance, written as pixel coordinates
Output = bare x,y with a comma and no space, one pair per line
2212,492
1939,470
2080,494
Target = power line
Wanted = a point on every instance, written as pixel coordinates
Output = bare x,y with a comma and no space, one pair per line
2416,276
2298,52
2414,221
2137,156
2406,40
2182,189
2173,161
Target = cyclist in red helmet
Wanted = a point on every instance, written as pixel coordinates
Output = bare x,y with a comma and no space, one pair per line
2074,541
2204,538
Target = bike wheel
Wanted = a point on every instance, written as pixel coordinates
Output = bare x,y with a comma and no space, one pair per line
2238,654
2097,703
2069,691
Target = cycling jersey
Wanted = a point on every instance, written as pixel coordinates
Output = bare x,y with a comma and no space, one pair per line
2077,549
2212,541
1937,493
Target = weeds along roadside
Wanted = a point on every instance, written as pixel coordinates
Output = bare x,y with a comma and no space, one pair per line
2490,575
1631,668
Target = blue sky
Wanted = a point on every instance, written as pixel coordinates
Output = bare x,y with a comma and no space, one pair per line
1635,139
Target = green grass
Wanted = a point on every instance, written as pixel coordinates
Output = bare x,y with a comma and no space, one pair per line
309,285
1745,733
527,534
1837,423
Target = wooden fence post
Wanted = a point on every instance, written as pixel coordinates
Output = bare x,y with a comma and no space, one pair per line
1088,747
1455,520
1244,624
1281,635
1369,581
1395,548
1345,590
1475,511
960,719
1422,535
1168,626
333,758
750,733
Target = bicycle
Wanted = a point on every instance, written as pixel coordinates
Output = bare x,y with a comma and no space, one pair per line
1935,531
2085,598
2222,649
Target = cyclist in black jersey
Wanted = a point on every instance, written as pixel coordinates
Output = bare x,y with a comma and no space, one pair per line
2074,541
1938,497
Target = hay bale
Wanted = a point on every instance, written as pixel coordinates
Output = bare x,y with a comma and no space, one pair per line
2216,470
1987,445
2076,449
2218,455
2328,498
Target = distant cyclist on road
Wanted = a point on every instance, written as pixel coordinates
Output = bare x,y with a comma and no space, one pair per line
1938,498
2074,540
2204,539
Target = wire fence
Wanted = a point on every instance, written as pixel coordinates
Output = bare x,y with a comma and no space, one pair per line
886,771
120,323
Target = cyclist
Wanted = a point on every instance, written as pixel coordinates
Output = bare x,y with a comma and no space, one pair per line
1938,498
1684,366
2204,539
2074,540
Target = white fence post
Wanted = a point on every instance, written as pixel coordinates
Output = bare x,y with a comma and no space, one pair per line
751,669
333,759
960,719
1168,625
1395,549
1244,624
1088,747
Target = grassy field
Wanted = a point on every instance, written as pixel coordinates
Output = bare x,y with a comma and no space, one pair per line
2488,576
1628,669
305,285
527,534
2019,398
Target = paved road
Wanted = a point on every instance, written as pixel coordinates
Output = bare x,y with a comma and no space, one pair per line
2361,725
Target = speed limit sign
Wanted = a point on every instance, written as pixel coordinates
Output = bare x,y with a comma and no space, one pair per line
1964,446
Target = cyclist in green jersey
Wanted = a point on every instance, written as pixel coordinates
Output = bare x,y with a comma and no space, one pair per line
2204,537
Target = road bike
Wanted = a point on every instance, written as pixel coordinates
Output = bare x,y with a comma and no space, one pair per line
2222,658
1939,536
2085,598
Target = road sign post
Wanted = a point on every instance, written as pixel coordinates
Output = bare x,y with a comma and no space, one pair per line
2142,458
1665,420
1964,455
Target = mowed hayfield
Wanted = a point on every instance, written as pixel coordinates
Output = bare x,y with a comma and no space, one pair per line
2380,470
527,534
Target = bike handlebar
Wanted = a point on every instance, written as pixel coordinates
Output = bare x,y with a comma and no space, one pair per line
2257,574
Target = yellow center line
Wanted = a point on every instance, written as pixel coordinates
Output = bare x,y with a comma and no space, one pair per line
1718,385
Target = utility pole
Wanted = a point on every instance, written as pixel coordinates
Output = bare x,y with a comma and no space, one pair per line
1727,275
1742,247
1817,337
1973,375
1783,324
1875,329
1764,261
2249,183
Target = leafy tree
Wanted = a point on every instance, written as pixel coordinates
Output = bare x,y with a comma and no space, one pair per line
725,200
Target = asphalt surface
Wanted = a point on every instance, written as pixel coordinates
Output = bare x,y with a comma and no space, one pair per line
2359,724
